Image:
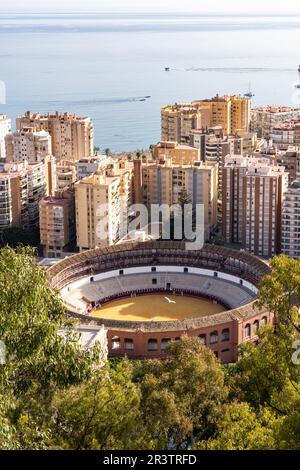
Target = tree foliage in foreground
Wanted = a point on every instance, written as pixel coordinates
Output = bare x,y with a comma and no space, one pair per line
53,395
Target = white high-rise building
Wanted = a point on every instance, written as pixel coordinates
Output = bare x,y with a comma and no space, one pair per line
290,243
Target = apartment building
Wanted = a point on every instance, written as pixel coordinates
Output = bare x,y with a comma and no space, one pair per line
179,154
101,201
267,118
50,175
57,223
283,136
264,187
65,174
290,159
253,191
13,199
233,171
232,113
72,135
177,121
164,183
88,166
5,128
290,243
28,144
22,187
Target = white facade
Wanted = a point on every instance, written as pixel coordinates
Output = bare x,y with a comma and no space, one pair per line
291,222
27,145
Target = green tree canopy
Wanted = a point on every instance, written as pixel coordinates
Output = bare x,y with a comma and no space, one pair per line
181,395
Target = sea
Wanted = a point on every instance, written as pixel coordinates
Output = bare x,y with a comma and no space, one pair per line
112,66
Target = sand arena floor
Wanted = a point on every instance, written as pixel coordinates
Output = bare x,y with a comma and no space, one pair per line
157,307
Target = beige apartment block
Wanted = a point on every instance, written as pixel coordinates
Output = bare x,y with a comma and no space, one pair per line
232,113
65,174
50,175
178,153
177,121
72,135
28,145
101,200
57,223
265,119
163,184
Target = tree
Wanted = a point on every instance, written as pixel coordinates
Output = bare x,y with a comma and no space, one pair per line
102,414
240,428
15,236
107,152
182,395
39,361
280,293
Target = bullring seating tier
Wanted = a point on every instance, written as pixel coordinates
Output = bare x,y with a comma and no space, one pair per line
228,293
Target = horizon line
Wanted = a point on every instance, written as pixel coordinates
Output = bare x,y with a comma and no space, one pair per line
164,12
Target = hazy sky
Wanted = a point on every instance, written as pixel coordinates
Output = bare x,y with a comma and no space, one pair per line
251,6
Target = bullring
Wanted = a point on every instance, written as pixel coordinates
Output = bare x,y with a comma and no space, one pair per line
224,281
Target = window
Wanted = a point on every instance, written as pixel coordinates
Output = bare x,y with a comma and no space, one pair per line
202,339
226,334
255,327
121,272
128,344
214,337
264,321
247,330
215,274
225,350
154,282
168,285
164,343
116,342
152,345
153,269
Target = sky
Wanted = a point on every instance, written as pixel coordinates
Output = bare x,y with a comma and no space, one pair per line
187,6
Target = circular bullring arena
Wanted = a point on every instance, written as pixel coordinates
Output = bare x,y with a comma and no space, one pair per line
147,294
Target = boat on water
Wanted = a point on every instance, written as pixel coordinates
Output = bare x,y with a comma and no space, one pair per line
299,69
249,93
148,96
297,85
142,99
167,69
